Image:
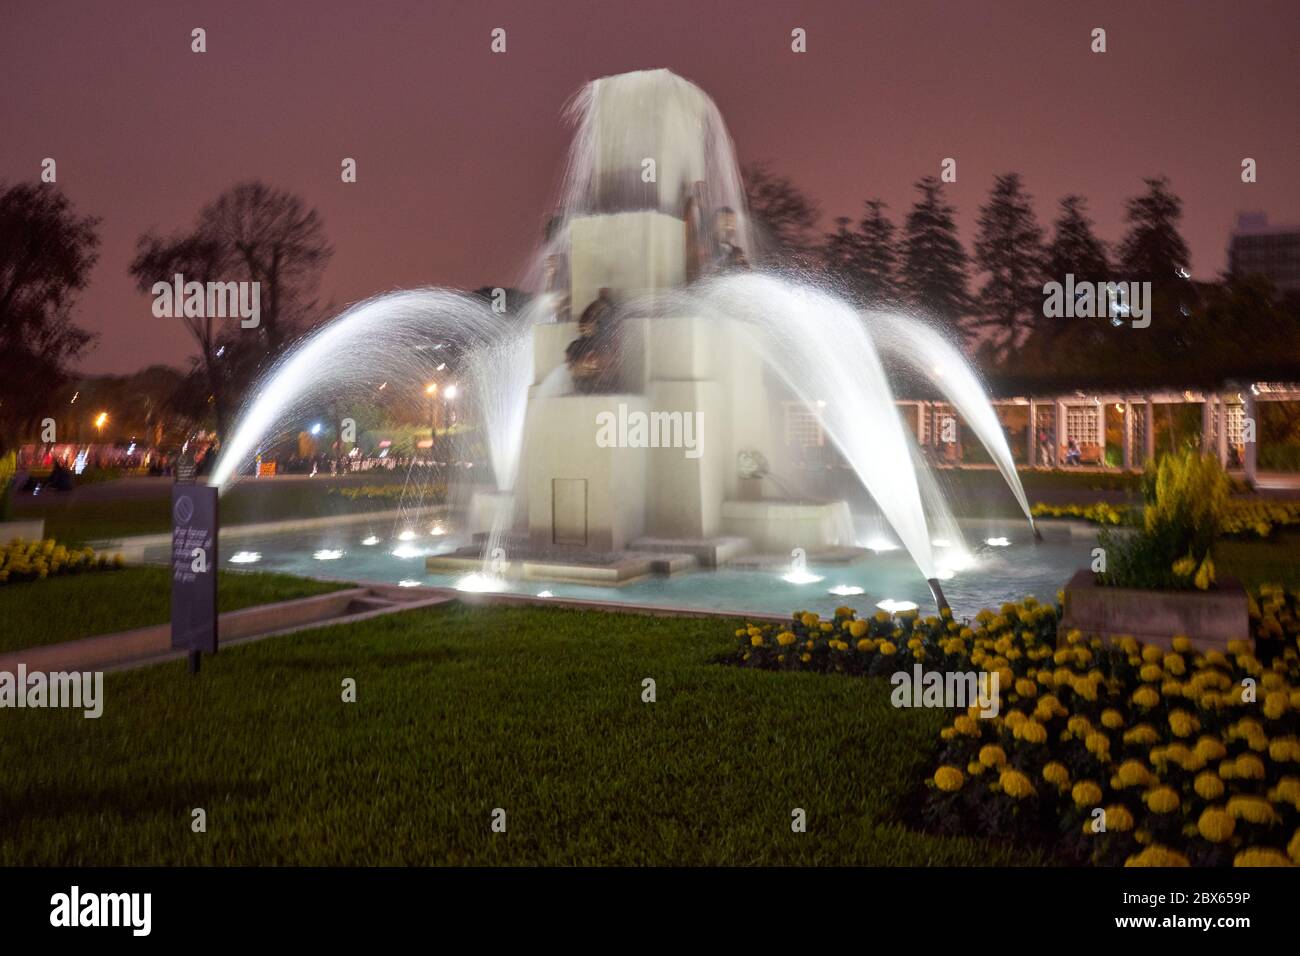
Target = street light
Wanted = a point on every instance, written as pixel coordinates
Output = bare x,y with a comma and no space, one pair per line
100,421
450,392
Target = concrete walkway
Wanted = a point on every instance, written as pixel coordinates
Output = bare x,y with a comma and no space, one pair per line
151,645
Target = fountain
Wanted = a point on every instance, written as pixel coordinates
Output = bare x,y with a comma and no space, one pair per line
649,314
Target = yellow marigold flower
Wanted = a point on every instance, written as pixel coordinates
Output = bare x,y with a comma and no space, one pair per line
827,626
1112,719
1026,687
1057,774
756,640
785,638
1086,794
1032,732
1152,654
1260,856
1207,748
1276,703
1208,785
882,617
1141,734
1151,673
1183,724
1156,855
949,779
887,648
1119,818
1182,644
1286,791
805,657
1162,800
1133,773
1293,848
965,724
1216,824
1078,725
858,628
975,768
809,619
1283,748
866,644
1174,664
1097,744
1251,809
1248,767
1016,784
991,755
1146,696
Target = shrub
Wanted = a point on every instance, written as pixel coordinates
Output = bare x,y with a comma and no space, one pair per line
31,560
1186,504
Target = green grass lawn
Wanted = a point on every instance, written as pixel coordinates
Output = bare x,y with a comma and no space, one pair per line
100,602
94,512
463,710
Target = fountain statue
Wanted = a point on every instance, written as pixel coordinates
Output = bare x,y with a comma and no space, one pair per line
651,249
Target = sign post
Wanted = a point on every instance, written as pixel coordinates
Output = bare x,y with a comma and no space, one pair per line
194,570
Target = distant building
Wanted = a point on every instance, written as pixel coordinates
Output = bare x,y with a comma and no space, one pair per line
1256,248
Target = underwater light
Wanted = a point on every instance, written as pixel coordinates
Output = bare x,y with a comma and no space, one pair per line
406,551
245,557
408,583
846,590
327,554
406,535
480,583
998,542
893,607
370,541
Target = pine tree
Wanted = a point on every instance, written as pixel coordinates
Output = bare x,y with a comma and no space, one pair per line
1075,249
1009,248
864,259
934,262
1153,250
878,263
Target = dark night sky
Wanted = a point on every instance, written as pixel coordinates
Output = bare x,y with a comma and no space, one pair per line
459,150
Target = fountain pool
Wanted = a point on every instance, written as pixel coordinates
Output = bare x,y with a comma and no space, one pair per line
996,573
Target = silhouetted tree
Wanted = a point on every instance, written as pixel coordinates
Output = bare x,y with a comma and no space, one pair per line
1009,249
934,262
783,218
250,233
46,254
865,259
1153,250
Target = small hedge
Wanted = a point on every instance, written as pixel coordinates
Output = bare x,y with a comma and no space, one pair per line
32,560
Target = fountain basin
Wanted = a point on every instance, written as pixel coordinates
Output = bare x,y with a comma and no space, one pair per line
1209,618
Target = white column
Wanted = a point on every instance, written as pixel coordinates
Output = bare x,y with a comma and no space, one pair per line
1149,432
1250,452
1032,446
1101,434
1207,424
1126,431
1058,453
1223,432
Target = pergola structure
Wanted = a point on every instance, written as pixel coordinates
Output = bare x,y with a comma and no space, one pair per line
1078,420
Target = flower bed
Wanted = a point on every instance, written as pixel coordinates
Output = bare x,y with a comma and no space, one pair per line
1163,747
1099,513
30,560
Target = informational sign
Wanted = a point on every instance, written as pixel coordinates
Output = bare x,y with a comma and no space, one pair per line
265,469
194,567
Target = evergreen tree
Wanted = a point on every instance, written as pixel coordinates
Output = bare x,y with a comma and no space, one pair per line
1153,250
878,265
1075,249
933,261
865,259
1009,248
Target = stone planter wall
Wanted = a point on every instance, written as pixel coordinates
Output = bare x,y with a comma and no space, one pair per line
1209,618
